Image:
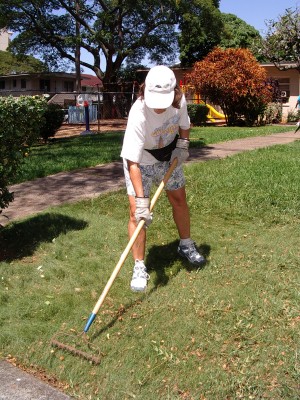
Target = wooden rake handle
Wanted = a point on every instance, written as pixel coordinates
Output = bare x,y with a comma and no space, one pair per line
128,248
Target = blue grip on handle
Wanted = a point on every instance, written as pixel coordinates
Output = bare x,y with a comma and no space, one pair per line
89,322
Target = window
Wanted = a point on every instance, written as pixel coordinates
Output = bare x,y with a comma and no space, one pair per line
45,85
23,83
2,85
14,83
68,86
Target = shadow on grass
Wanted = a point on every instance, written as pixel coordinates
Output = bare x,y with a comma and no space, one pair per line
159,259
22,238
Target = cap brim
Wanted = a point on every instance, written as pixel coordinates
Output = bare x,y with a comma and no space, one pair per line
158,100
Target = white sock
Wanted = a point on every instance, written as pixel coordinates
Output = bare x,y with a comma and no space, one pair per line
185,242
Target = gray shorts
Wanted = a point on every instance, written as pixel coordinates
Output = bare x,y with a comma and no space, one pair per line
153,175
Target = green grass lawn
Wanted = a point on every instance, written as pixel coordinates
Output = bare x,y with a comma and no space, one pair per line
228,331
67,154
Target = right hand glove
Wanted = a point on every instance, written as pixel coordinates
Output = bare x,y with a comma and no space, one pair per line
142,210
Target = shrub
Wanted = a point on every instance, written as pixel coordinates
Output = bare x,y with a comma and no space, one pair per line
20,122
53,118
198,113
252,109
293,116
273,113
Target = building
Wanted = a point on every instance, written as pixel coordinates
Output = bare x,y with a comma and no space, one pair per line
5,37
289,85
89,84
288,80
58,86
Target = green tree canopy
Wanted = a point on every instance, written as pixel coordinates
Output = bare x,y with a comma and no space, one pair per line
111,31
200,31
281,44
10,63
237,33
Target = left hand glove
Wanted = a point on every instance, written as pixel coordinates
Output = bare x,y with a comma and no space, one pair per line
181,152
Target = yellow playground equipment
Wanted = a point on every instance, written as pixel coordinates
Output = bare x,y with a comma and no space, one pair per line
213,114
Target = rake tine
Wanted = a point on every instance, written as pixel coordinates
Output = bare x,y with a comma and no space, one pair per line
95,360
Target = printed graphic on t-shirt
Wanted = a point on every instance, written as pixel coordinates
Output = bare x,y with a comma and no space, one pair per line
164,134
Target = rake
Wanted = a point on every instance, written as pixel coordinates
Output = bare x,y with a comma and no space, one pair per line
74,350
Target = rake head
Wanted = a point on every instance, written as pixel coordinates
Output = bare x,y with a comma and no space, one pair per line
79,343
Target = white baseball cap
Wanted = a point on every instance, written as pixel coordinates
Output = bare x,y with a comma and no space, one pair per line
159,87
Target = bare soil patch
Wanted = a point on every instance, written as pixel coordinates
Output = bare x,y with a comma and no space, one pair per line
107,125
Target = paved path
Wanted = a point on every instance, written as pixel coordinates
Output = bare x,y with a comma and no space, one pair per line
35,196
16,384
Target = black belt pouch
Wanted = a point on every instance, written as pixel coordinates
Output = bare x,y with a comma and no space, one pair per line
164,154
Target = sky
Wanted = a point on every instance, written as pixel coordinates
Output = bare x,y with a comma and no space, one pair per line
256,12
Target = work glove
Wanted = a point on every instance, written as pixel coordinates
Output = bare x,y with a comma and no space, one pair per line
142,210
181,151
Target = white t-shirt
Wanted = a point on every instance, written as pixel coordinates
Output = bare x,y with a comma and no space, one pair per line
148,130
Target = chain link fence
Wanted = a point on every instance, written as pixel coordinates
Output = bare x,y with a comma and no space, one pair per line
105,106
101,106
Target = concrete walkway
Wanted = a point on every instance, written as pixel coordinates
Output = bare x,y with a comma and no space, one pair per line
67,187
33,197
16,384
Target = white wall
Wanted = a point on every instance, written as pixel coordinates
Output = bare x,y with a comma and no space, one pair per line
4,39
294,78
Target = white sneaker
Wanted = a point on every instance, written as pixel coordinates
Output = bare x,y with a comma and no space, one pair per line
139,277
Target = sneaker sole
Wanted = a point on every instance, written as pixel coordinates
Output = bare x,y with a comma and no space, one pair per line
198,264
135,289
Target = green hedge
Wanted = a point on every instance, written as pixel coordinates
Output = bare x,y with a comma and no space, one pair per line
198,113
53,118
21,120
